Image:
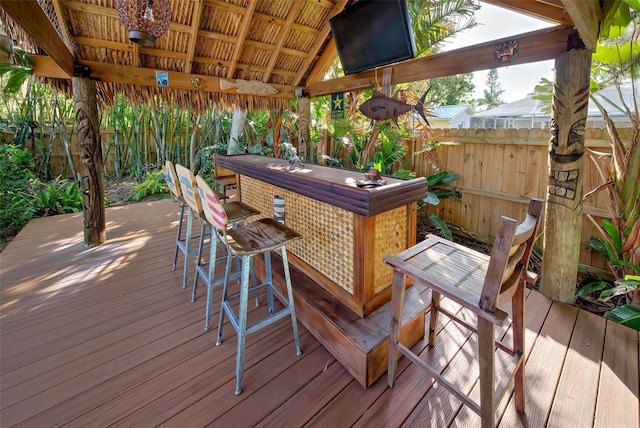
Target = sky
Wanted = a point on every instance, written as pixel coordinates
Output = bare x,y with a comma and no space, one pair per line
493,23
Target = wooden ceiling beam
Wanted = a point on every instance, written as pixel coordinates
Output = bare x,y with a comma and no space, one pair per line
279,21
268,47
61,21
328,55
242,34
107,44
242,66
30,16
536,9
134,48
120,74
533,46
229,7
587,16
317,45
292,15
217,36
193,36
111,12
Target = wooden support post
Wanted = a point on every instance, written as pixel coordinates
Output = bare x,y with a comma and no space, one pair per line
562,232
304,137
92,172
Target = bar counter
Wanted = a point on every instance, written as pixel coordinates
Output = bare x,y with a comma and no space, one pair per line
340,280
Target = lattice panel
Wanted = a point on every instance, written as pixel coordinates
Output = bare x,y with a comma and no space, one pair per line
327,231
390,238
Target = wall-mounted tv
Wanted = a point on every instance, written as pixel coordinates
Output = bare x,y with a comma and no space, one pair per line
371,34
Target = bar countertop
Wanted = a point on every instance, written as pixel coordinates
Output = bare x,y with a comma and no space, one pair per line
334,186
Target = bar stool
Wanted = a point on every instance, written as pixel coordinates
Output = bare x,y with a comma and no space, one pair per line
190,196
171,178
236,212
260,237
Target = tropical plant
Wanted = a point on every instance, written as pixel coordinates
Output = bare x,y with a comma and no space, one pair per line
15,74
618,59
15,174
451,90
432,22
492,95
153,184
58,196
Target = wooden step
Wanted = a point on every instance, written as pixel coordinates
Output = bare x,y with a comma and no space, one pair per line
361,345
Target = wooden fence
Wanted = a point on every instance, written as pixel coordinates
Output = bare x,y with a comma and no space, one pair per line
500,169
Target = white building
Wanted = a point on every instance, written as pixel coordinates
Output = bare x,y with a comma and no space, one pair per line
528,113
458,116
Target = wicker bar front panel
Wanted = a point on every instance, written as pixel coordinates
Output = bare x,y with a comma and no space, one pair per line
327,231
390,238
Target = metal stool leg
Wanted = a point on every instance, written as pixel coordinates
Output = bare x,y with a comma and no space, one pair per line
269,280
242,327
208,277
224,303
239,322
292,306
187,245
178,236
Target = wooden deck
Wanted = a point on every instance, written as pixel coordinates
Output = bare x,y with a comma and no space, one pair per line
107,337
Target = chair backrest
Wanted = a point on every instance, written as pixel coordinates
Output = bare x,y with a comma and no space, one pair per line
189,188
510,257
214,212
171,178
220,172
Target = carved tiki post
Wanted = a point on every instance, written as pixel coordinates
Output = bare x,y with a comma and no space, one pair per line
304,135
562,232
92,168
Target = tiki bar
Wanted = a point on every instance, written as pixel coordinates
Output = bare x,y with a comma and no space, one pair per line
341,284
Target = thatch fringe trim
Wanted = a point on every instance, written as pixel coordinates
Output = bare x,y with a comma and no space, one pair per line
196,101
50,10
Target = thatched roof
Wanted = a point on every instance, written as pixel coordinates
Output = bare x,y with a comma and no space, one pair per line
285,43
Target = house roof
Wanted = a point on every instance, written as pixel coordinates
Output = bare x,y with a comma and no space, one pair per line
449,112
525,107
286,44
528,107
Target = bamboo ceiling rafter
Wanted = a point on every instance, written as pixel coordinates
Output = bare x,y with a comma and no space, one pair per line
193,36
63,26
242,34
286,27
324,32
549,10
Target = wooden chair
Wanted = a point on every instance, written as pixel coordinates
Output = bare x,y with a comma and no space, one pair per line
222,177
480,283
259,237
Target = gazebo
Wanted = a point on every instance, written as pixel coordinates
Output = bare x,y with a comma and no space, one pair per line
251,53
210,47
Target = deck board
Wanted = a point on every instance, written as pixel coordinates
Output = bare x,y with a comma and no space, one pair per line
107,336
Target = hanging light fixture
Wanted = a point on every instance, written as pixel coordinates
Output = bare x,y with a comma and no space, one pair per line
144,19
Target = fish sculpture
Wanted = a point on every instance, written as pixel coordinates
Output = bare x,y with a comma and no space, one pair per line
251,87
382,107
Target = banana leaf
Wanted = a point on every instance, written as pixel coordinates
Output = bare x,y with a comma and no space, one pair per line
628,315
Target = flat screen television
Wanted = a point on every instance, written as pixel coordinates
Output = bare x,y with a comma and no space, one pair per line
371,34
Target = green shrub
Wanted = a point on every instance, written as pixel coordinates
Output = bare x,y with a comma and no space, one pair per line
15,175
154,184
59,196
